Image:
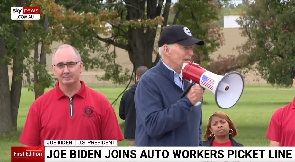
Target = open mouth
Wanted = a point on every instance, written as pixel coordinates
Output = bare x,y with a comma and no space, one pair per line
187,60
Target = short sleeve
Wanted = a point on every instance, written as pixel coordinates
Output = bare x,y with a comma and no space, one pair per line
110,128
274,128
31,133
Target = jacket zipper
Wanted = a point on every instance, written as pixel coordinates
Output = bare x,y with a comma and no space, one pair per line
71,107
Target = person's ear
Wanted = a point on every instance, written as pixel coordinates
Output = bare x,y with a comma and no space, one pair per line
53,69
81,66
166,50
136,78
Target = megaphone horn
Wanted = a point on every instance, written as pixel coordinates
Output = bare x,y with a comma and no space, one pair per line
228,89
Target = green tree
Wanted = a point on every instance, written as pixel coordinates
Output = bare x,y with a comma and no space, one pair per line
67,26
204,27
137,25
89,25
223,64
13,51
269,25
41,37
231,9
17,38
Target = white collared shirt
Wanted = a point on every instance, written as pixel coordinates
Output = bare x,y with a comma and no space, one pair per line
177,77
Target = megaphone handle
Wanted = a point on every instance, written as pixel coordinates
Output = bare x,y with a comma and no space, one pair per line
198,103
187,89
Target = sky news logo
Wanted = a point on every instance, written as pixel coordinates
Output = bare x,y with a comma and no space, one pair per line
25,13
27,154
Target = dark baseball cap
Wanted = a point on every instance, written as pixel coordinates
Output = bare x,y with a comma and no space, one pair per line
178,34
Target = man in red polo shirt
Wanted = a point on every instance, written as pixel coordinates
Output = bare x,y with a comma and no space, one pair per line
71,110
281,130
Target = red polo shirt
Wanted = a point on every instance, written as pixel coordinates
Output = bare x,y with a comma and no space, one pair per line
88,115
282,128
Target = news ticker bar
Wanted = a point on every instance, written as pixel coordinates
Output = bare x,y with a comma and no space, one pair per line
80,143
97,154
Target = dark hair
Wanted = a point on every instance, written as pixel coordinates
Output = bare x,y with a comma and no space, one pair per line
141,70
222,115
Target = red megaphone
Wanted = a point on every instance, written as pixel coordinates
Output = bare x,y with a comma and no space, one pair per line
227,89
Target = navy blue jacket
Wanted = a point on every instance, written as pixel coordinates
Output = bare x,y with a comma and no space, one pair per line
127,112
162,117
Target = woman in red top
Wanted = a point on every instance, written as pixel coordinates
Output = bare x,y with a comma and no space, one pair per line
220,131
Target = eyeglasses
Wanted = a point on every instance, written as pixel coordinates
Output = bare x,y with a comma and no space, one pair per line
68,64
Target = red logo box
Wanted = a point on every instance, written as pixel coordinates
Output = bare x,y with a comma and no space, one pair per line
31,10
27,154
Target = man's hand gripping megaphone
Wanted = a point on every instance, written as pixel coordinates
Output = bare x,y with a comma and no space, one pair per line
194,92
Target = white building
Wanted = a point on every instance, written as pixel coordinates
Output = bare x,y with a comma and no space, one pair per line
231,21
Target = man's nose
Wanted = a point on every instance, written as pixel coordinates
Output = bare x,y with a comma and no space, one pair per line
66,70
191,52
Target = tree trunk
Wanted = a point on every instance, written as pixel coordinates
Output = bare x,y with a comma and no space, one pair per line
43,56
17,70
141,40
36,61
39,86
5,115
141,50
42,64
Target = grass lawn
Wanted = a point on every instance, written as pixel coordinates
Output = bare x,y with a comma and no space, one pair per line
251,115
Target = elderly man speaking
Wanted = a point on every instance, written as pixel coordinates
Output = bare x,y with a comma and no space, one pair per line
163,117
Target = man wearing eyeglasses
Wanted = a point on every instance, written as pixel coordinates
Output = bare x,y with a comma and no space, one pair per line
71,110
